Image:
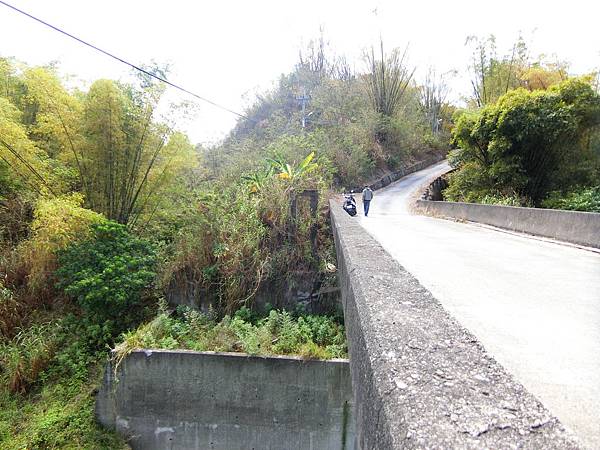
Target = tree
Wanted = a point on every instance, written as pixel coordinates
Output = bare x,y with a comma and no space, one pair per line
106,143
57,223
528,143
27,163
386,84
541,76
495,76
313,60
433,93
387,80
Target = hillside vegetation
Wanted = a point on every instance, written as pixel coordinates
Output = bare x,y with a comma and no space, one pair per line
531,137
106,209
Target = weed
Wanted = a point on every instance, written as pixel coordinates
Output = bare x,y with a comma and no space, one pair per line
48,375
10,314
60,415
27,355
278,333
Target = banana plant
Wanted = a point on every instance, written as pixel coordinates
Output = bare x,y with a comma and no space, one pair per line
257,179
307,165
279,168
288,172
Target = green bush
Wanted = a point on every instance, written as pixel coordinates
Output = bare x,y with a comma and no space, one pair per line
528,144
48,375
58,223
107,273
502,200
59,416
582,200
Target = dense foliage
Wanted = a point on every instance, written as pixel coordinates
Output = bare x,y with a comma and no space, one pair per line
48,375
51,357
527,144
279,333
530,134
587,199
57,223
494,75
106,143
244,235
107,272
362,122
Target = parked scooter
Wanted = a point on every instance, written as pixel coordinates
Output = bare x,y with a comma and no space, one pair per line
349,204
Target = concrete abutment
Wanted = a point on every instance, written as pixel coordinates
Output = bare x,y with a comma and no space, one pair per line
163,399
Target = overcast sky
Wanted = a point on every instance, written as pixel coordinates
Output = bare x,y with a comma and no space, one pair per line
228,50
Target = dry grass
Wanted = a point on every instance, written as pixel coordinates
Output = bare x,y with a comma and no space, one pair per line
27,355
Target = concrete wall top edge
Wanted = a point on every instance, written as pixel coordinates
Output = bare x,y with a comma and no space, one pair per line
150,351
577,227
514,208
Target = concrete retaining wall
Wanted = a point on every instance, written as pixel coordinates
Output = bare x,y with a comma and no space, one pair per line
581,228
421,380
394,176
224,401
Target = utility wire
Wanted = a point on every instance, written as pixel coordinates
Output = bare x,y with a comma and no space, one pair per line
23,177
26,164
121,60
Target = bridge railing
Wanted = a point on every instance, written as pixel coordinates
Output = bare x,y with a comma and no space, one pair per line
581,228
419,379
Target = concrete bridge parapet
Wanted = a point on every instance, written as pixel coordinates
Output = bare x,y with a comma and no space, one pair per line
582,228
420,380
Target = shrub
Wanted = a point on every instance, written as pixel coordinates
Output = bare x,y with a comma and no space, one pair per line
61,417
10,314
27,355
57,223
502,200
469,184
15,218
587,199
107,273
528,143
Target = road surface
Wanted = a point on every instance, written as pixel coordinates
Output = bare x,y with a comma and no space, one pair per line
534,304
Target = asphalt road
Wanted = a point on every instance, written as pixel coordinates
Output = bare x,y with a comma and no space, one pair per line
534,304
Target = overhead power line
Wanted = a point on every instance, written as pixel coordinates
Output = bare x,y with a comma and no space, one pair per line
17,155
23,177
121,60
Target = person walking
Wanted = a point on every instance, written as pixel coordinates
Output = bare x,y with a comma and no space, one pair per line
367,196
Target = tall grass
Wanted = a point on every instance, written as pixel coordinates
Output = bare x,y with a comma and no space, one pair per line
10,312
27,355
